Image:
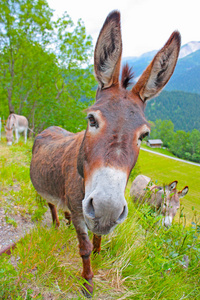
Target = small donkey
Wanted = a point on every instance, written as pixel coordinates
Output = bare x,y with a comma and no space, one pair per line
86,173
18,124
166,199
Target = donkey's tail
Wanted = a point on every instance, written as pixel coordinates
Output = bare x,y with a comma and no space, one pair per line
31,130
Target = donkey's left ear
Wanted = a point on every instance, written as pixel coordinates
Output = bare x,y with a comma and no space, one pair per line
183,192
158,73
173,185
108,50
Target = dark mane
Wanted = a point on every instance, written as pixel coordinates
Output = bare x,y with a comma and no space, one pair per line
127,76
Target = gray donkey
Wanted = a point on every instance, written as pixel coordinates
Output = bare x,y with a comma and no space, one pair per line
18,124
166,198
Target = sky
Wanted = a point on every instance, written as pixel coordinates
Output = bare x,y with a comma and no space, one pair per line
146,24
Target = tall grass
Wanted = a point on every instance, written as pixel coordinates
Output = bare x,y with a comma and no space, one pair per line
139,260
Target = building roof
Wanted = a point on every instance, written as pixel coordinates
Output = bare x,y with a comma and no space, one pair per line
153,142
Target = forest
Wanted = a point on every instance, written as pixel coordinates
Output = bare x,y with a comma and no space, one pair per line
183,109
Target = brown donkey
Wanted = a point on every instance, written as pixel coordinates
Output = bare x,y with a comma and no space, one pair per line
86,173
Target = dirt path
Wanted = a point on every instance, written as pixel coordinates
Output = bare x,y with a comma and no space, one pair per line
10,233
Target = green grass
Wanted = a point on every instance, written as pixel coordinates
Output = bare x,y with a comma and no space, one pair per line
139,260
18,194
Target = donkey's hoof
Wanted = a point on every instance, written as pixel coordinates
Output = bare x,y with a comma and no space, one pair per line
88,289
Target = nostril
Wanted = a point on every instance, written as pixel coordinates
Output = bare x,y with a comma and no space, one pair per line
123,215
89,209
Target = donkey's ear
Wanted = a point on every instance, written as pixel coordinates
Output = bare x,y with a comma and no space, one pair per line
183,192
108,50
173,185
157,74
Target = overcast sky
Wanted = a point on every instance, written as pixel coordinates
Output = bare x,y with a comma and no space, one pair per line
146,24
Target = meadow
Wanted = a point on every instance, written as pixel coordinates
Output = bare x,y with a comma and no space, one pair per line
139,260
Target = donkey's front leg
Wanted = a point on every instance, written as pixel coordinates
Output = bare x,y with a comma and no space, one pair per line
96,243
85,247
16,135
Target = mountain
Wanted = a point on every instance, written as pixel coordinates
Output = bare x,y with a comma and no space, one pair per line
189,48
183,109
186,76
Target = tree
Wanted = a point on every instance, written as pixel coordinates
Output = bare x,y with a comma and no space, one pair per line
193,146
163,130
22,23
45,67
179,143
167,132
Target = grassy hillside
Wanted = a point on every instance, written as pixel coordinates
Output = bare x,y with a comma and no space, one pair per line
139,260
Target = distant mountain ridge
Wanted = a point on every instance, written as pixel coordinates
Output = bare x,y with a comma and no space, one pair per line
189,48
186,76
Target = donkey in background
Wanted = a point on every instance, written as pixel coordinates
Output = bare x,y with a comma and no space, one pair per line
86,173
165,199
18,124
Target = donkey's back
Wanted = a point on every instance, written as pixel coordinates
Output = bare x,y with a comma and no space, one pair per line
53,165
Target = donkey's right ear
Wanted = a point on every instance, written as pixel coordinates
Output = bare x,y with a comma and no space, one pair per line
108,50
158,73
183,192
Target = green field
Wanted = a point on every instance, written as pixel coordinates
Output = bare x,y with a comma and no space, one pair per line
139,260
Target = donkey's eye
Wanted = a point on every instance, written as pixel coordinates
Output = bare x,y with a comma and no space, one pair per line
143,135
93,122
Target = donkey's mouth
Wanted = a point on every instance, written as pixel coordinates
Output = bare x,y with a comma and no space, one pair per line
96,226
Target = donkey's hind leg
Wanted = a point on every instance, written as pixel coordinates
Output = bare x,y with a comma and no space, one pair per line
54,214
68,217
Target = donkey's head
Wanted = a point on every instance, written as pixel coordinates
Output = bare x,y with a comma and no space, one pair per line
9,129
116,125
9,136
170,201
